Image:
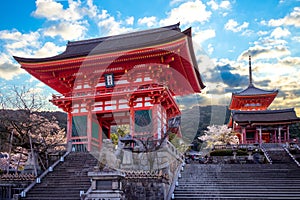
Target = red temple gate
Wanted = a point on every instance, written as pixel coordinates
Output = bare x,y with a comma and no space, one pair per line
130,79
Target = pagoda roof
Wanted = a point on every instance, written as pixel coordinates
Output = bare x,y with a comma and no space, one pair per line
251,90
252,98
113,43
266,117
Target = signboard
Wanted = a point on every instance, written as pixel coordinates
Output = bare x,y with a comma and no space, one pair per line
109,80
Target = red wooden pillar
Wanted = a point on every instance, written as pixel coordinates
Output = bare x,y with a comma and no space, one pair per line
132,120
288,133
154,121
279,134
244,135
100,133
260,135
69,126
89,130
285,136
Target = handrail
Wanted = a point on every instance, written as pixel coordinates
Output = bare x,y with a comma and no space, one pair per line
291,155
173,185
266,154
177,171
50,169
85,194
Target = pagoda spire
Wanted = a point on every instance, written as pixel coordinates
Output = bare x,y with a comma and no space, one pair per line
250,71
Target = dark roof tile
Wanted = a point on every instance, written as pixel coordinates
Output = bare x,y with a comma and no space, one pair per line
115,43
282,115
252,90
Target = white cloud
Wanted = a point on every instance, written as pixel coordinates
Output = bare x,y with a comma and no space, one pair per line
270,42
49,49
201,36
290,61
279,33
210,48
293,19
52,10
109,26
247,32
16,43
264,22
103,15
173,2
16,39
296,38
7,68
269,52
222,5
225,4
67,30
149,21
130,20
10,35
91,9
261,33
232,25
187,13
213,5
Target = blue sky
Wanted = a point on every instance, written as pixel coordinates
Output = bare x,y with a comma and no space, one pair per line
225,30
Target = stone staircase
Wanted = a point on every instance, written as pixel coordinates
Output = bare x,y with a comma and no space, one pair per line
236,181
277,153
67,179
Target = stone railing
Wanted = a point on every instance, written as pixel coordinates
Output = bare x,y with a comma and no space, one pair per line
291,155
266,154
234,146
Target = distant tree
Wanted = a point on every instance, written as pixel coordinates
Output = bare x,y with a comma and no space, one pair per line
28,131
295,131
119,132
178,142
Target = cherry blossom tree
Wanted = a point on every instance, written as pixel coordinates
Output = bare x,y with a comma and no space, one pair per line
28,131
216,135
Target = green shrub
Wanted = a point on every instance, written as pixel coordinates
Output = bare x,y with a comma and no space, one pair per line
221,152
242,152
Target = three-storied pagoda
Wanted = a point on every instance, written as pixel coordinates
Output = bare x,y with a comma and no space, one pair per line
252,120
124,79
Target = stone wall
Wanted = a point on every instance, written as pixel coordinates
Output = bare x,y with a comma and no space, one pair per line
148,189
142,175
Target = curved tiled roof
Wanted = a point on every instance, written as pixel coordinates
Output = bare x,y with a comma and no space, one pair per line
283,115
252,90
115,43
119,49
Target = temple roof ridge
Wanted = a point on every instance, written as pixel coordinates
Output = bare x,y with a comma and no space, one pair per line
174,27
264,111
266,116
115,43
252,90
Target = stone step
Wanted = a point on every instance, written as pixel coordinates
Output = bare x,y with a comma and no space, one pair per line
200,190
249,181
67,179
237,196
